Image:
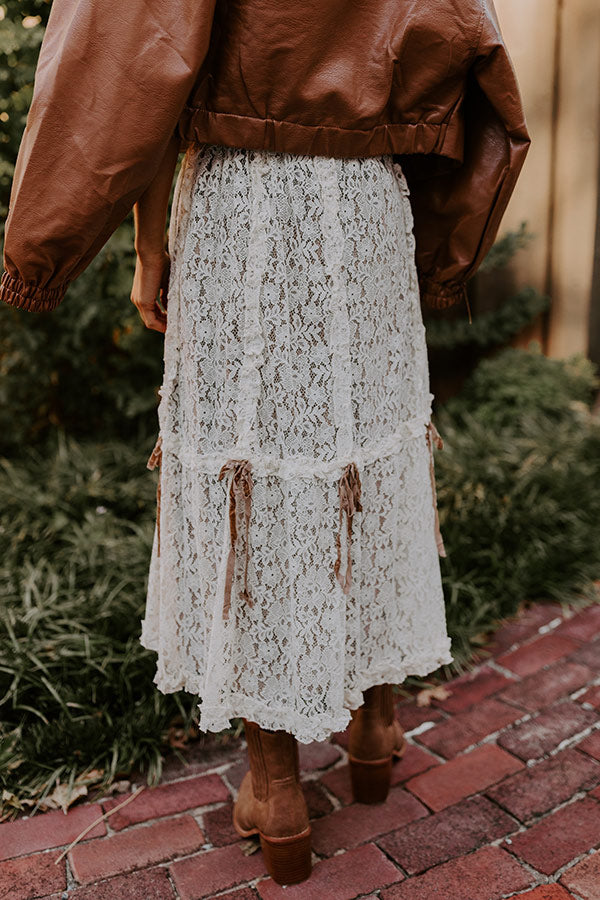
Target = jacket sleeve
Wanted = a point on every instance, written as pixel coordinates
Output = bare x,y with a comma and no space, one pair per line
111,81
457,208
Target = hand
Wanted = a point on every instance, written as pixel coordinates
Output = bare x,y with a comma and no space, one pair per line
150,282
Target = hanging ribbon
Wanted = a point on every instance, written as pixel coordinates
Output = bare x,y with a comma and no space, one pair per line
433,437
155,460
240,489
349,490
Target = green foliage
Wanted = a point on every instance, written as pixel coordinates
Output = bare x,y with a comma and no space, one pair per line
518,488
490,329
515,385
76,688
499,326
22,26
505,248
90,366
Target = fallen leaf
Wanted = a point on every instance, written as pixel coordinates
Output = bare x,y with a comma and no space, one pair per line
480,639
439,692
90,777
118,787
63,796
248,847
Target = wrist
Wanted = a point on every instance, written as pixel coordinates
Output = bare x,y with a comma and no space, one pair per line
149,253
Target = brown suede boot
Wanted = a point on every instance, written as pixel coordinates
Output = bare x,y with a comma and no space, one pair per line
271,804
375,738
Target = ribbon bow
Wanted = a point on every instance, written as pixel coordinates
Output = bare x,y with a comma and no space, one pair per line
240,488
433,437
349,490
155,460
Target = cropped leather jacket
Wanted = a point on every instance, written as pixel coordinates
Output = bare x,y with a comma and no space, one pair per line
428,81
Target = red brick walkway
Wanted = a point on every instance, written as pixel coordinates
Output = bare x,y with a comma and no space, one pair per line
497,796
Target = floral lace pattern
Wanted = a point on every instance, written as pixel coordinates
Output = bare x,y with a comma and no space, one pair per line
295,357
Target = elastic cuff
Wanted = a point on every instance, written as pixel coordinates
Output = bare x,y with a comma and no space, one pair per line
26,295
442,296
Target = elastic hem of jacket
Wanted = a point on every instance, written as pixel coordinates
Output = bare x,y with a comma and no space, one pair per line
204,126
28,296
442,296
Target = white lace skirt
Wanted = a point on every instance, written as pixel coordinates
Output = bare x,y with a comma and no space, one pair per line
295,558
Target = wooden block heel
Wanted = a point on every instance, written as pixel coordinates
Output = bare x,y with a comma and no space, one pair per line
288,859
370,779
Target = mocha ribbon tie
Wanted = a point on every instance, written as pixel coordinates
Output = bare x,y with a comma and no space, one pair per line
240,488
155,460
349,490
433,437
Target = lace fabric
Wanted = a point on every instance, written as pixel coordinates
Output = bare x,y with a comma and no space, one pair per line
295,558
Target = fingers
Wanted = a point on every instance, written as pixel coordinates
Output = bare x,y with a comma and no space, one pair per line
164,285
150,283
151,314
154,319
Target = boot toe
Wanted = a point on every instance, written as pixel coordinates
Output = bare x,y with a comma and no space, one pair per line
242,808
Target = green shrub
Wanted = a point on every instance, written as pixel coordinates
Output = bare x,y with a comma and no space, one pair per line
89,367
515,384
518,488
76,686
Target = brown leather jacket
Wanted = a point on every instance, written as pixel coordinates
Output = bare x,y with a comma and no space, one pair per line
430,82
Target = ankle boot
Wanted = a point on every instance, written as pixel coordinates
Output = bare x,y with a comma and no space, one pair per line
375,739
271,804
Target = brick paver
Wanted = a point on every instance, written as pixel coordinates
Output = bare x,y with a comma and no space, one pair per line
538,789
583,626
205,874
524,627
414,761
473,688
482,806
560,837
591,745
588,655
137,848
343,877
537,654
467,774
544,687
53,829
32,876
149,884
468,728
546,892
345,829
591,696
412,716
452,832
245,893
317,755
584,878
488,874
218,826
317,801
542,734
166,799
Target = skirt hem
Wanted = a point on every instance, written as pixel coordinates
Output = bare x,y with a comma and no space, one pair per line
316,728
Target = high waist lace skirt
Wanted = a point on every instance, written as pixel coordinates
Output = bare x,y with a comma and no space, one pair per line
296,552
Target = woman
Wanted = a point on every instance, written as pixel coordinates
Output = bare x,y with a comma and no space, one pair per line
343,161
